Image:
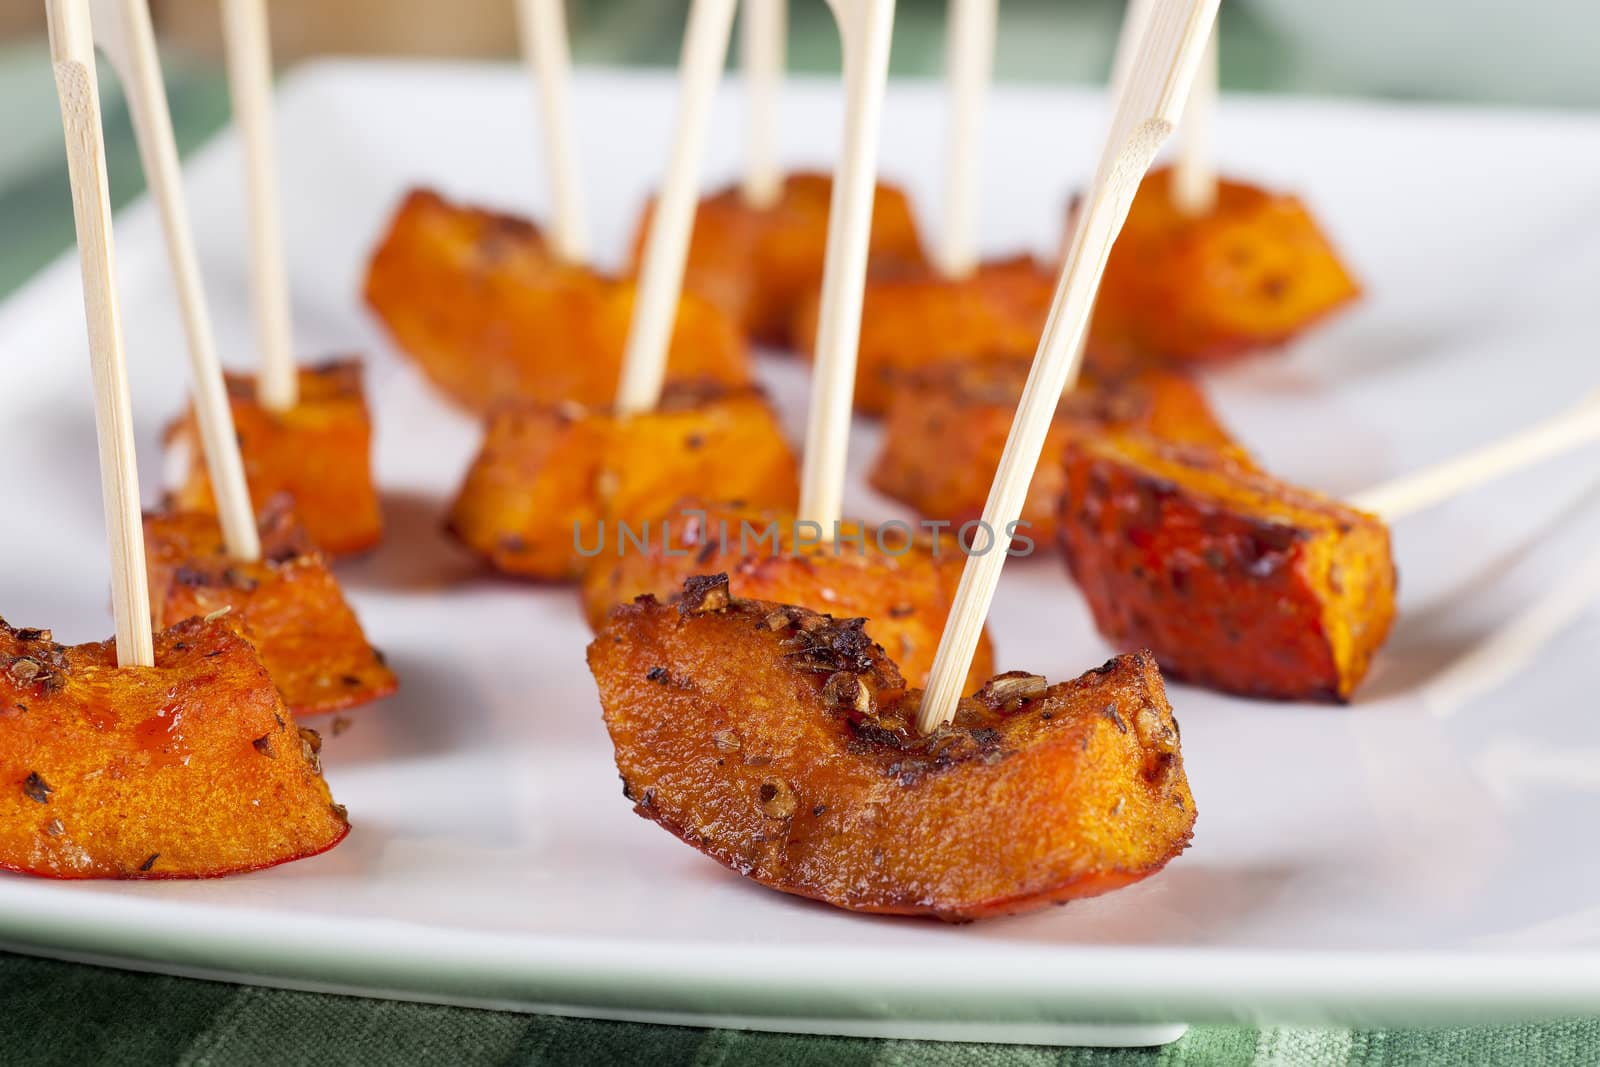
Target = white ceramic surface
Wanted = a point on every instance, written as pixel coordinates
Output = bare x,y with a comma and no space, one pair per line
1403,859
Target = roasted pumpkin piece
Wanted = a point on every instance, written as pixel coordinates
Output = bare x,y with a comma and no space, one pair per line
1235,579
319,453
947,426
192,768
1253,273
288,604
490,315
902,584
550,482
758,264
915,317
780,743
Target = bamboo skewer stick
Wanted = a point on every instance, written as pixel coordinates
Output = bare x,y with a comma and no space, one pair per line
77,85
865,30
644,361
1194,184
122,29
969,65
543,28
763,27
1134,17
1194,175
1146,110
247,43
1552,437
1512,645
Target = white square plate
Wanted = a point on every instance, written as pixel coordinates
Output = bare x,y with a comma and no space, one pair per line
1429,851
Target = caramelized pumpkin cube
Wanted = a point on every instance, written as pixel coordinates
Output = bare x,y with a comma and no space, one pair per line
192,768
1236,580
1253,273
549,482
779,742
912,318
490,315
288,603
902,584
947,426
757,264
319,453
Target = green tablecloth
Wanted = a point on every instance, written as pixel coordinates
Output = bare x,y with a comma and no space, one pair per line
62,1013
58,1013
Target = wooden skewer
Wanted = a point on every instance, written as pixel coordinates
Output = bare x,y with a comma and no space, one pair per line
1194,184
1134,17
249,58
1512,645
1544,440
764,26
866,28
1146,111
123,31
1194,176
969,63
543,26
77,85
644,361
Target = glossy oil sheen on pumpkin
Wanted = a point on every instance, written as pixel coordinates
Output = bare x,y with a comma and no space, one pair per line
779,743
1235,580
191,768
490,315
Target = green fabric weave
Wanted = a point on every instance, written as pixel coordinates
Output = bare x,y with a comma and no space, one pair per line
68,1014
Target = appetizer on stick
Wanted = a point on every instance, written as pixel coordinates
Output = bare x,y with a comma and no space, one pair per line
899,582
956,307
190,767
760,262
550,483
494,311
1235,579
165,755
946,428
1252,272
492,314
914,316
1240,581
1145,108
1208,269
548,476
782,743
786,744
757,248
317,452
303,431
286,601
902,584
206,552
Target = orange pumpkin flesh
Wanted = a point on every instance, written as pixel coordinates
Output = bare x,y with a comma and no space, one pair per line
775,740
900,584
288,604
758,263
318,453
491,315
913,317
549,480
192,768
947,426
1234,579
1253,273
